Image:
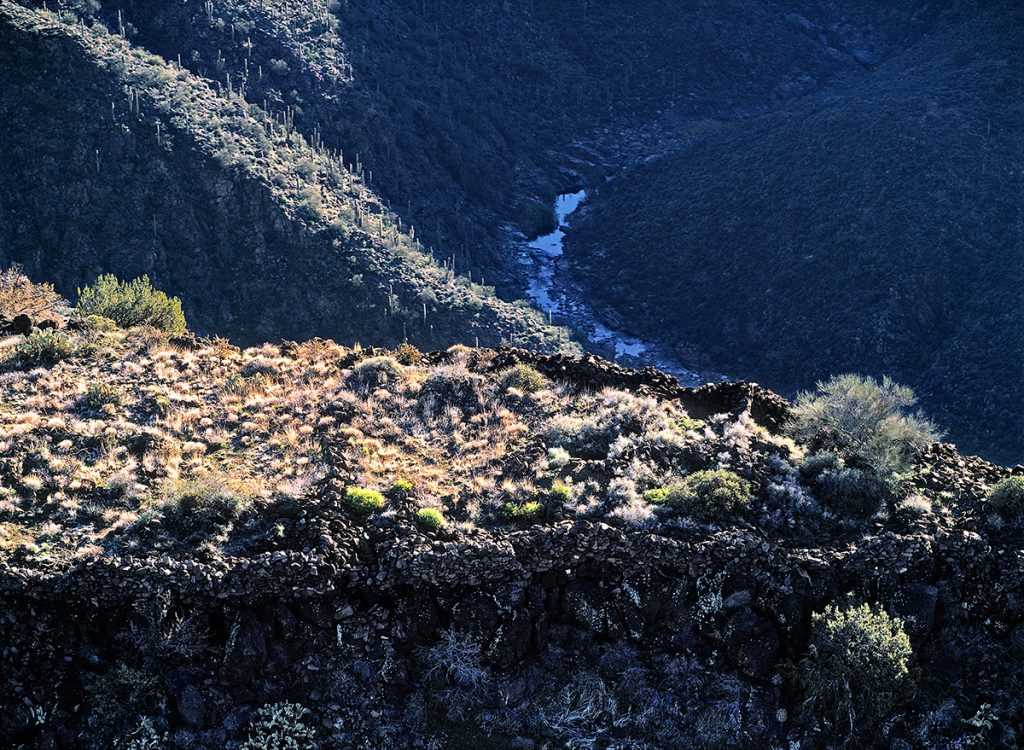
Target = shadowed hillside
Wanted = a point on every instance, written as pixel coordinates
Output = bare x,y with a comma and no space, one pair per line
118,160
877,228
464,115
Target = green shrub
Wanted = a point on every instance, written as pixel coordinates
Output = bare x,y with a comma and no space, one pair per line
44,348
521,513
560,493
858,669
431,519
132,303
711,495
193,509
864,420
1007,498
363,501
98,395
98,324
374,373
846,490
401,488
280,726
523,378
656,496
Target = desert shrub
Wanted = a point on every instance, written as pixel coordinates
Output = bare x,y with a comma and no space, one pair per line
610,416
521,513
560,493
454,669
98,395
864,420
431,519
192,509
117,696
280,726
846,490
98,324
712,495
401,488
132,303
557,458
523,378
19,295
44,348
657,495
374,373
407,354
451,386
581,711
858,668
1007,498
260,367
363,501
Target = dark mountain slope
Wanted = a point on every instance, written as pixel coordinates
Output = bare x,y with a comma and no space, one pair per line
464,110
877,229
117,161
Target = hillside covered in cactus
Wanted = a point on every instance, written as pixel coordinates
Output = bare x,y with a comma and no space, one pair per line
139,166
203,546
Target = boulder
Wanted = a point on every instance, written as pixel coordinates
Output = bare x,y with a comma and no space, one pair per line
193,706
245,652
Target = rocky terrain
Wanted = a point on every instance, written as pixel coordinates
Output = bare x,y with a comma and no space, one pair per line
207,547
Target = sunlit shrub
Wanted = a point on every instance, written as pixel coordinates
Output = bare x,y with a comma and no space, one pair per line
521,513
711,495
363,501
1007,498
44,348
858,668
132,303
374,373
431,519
866,421
523,378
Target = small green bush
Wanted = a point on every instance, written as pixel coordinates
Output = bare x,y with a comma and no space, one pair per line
44,348
656,496
132,303
846,490
98,395
523,378
374,373
431,519
864,420
402,488
858,669
521,513
560,493
194,509
363,501
711,495
1007,498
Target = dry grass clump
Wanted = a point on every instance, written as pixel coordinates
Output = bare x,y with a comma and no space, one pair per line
19,295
